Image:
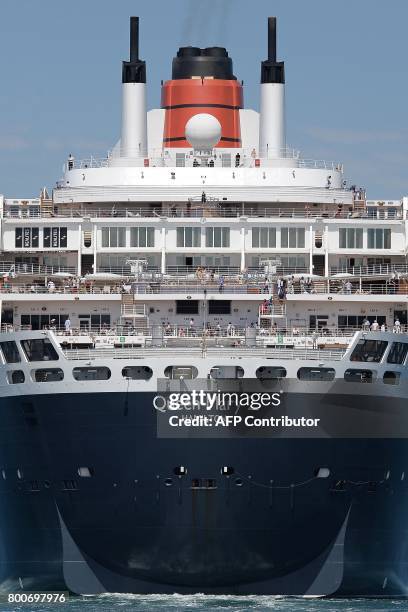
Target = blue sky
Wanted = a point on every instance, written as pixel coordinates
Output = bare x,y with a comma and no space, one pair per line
346,72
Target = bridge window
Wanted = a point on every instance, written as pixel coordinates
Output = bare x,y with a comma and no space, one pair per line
49,375
39,349
10,351
137,372
318,374
270,373
359,376
369,350
398,352
91,373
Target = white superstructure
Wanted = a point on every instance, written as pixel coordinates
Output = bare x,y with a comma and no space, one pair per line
156,234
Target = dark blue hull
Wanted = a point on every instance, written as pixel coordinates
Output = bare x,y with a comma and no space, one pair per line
271,527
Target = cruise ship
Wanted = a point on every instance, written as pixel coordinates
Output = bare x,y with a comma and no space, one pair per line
203,354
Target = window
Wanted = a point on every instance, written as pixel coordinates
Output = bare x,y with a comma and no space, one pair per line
293,237
217,237
49,375
398,352
113,237
263,237
10,351
369,350
99,321
27,238
16,377
391,378
359,376
55,237
322,374
137,372
187,307
181,372
43,321
39,349
357,320
351,238
379,238
91,373
142,236
188,237
270,373
217,307
228,372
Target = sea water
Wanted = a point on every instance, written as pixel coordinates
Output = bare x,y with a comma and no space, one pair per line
213,603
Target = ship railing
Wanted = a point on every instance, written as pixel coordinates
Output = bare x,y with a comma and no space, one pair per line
293,354
11,268
389,287
227,159
209,210
385,269
278,334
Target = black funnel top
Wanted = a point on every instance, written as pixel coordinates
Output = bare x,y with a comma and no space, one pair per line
209,62
134,71
271,70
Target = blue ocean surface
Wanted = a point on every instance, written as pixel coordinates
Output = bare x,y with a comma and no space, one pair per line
213,603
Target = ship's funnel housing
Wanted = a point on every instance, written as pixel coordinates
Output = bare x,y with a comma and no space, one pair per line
134,117
202,84
272,138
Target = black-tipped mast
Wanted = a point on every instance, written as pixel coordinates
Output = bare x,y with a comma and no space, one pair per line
134,71
272,39
271,70
134,39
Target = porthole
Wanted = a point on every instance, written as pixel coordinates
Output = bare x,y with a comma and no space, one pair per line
137,372
239,482
227,372
227,470
16,377
181,372
270,373
168,482
46,375
91,373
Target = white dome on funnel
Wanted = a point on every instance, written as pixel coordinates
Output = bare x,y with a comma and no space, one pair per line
203,131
